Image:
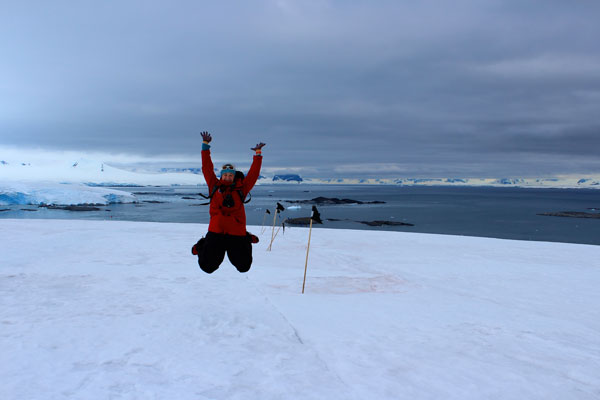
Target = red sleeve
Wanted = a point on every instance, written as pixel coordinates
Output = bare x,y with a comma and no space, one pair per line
208,170
252,175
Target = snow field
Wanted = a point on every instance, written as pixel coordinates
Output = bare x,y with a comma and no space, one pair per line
107,309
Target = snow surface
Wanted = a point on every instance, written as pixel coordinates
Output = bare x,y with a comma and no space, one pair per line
120,310
59,193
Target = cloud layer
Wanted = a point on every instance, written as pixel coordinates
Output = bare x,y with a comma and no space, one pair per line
417,88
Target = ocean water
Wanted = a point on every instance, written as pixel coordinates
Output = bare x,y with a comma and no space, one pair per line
507,213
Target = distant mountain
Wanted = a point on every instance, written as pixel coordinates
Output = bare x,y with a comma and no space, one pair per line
192,170
506,181
97,172
287,178
592,182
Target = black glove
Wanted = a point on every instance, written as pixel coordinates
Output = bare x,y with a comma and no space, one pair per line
258,146
206,137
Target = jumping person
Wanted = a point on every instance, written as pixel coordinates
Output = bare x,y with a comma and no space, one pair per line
227,228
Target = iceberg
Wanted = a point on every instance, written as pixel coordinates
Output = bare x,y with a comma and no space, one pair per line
50,193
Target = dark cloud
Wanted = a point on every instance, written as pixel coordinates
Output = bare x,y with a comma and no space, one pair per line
419,88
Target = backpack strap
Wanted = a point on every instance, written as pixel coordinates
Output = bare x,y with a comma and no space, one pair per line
210,196
216,187
241,193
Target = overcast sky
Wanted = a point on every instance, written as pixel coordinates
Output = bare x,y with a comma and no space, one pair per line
464,88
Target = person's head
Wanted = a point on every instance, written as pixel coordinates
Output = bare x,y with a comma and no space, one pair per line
228,173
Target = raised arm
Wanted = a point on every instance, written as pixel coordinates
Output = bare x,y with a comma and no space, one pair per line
254,171
207,165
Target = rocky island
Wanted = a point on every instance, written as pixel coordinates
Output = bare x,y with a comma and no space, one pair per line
382,223
299,221
81,207
332,200
306,221
571,214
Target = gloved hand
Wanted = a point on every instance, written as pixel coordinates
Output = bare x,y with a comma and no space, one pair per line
258,146
206,137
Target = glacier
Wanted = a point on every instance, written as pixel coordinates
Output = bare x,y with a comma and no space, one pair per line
51,193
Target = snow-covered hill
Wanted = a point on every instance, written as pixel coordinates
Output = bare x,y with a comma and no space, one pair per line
90,171
106,309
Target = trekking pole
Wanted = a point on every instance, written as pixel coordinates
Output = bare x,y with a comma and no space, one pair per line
306,262
279,228
317,218
272,232
277,211
262,228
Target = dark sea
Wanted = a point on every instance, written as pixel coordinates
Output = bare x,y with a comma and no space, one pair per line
508,213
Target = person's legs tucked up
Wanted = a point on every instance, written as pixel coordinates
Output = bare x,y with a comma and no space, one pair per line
239,252
211,251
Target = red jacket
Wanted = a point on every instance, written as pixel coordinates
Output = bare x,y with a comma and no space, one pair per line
228,220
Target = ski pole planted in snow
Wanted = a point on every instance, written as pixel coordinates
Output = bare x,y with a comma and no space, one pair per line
317,218
262,228
279,228
277,211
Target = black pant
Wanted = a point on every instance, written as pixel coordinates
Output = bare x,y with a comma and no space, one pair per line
212,248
